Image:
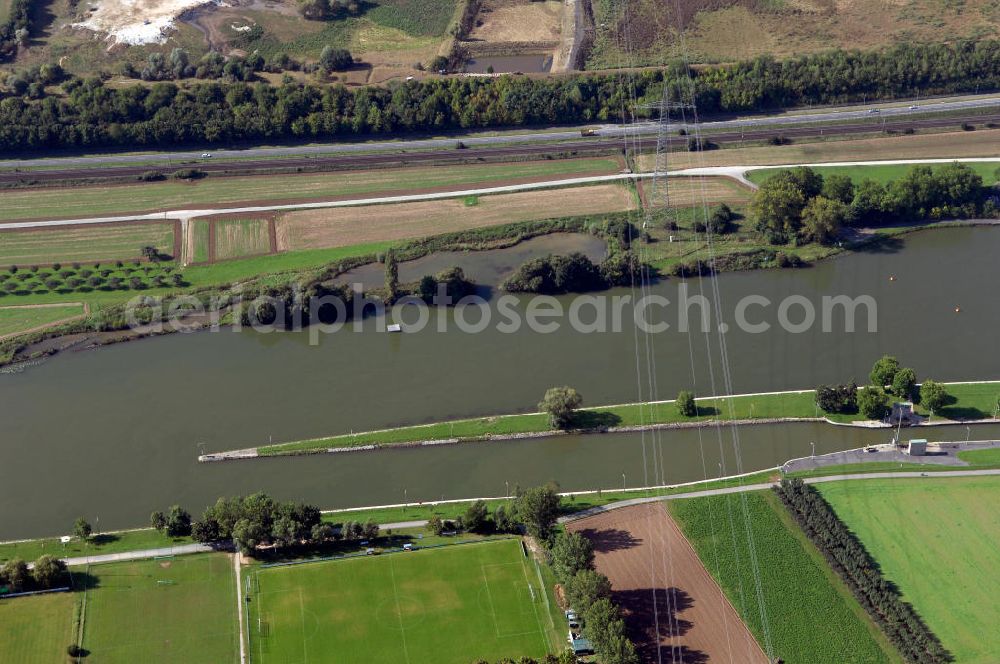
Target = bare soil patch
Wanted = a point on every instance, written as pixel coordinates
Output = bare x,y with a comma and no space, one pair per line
674,610
338,227
518,21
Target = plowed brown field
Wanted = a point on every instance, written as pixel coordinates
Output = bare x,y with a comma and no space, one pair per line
674,610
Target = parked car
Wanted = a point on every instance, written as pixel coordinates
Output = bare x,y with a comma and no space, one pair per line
370,551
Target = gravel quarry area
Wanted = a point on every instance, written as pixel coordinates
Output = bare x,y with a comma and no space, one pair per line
136,22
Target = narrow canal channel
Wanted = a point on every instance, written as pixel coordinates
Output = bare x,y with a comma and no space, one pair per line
132,418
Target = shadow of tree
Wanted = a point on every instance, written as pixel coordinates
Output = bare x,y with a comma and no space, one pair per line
879,244
651,616
595,419
610,539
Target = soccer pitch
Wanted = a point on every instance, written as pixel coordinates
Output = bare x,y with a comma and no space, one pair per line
171,611
436,606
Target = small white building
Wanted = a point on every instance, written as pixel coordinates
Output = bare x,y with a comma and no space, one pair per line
917,447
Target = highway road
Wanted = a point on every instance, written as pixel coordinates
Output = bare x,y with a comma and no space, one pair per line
647,129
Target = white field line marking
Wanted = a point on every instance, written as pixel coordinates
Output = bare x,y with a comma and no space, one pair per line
399,610
302,613
489,597
239,605
534,607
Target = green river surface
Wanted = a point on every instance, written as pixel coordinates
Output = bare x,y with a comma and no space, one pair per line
113,434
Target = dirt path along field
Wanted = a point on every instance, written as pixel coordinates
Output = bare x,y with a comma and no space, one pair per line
674,610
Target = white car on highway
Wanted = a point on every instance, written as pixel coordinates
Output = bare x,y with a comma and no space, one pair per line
206,155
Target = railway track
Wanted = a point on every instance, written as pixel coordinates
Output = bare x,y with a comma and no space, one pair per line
589,146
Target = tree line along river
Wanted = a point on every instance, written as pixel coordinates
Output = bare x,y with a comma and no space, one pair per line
115,433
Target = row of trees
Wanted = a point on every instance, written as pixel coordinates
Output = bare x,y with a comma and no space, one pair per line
801,205
888,379
259,521
589,591
574,273
91,114
852,562
47,572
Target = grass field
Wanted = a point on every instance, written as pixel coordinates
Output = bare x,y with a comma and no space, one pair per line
19,319
398,221
238,238
935,538
198,248
738,29
812,617
88,243
119,199
37,630
882,173
179,610
443,606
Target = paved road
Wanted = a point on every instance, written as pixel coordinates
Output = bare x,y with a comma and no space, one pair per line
758,487
507,138
205,548
736,172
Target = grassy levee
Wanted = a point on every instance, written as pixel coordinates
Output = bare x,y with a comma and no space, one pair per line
131,540
763,407
758,407
883,173
935,538
226,192
811,615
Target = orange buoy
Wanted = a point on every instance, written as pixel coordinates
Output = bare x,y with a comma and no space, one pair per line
892,277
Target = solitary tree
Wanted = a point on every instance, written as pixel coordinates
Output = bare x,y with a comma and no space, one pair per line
82,528
685,404
932,396
538,508
884,371
560,403
335,59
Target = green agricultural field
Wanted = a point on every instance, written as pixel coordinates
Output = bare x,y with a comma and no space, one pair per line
201,231
936,539
236,238
82,244
18,319
880,173
451,605
811,615
172,611
219,191
36,630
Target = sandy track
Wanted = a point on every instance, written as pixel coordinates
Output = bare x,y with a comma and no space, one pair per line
346,226
675,611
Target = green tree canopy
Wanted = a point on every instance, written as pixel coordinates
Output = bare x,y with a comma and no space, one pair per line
48,571
822,219
686,405
82,528
571,553
933,396
903,383
560,403
538,508
873,402
884,371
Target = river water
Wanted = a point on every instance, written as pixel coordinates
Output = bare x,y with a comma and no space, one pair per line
114,433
